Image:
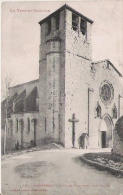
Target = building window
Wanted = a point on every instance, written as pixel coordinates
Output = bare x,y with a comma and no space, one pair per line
75,22
114,110
48,27
37,103
28,125
106,92
17,125
83,26
56,20
98,110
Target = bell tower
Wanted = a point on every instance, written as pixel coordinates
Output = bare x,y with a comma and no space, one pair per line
64,33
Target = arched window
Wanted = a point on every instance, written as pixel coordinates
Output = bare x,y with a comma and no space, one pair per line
28,125
17,125
114,111
98,109
37,103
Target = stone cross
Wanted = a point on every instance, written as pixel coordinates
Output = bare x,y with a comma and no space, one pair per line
73,120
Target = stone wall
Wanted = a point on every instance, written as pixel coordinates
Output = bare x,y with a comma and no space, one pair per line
14,130
51,79
81,75
77,69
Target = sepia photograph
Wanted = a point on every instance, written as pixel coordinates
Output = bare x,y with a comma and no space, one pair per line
62,97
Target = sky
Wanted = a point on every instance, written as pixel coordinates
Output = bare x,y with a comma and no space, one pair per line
20,33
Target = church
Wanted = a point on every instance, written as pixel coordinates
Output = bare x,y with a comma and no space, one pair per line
75,102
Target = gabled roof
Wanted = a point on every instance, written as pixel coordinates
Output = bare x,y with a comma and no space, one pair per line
34,81
110,64
62,8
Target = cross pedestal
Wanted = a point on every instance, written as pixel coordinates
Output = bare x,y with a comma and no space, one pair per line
73,120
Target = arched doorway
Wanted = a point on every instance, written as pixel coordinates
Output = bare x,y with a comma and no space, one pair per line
106,132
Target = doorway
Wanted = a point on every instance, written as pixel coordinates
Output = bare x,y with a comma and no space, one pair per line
103,137
105,132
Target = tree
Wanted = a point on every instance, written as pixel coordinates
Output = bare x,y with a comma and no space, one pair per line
7,81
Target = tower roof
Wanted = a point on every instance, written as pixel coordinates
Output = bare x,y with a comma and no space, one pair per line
62,8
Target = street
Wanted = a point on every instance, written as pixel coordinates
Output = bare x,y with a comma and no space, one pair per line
56,172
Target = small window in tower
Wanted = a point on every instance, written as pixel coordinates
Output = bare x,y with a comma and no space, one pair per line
37,103
48,27
83,26
75,22
114,110
98,109
57,18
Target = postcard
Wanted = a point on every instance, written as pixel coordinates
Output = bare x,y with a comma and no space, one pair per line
62,97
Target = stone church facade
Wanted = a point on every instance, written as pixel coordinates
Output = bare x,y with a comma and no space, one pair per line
75,102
